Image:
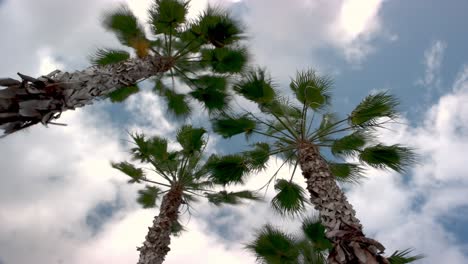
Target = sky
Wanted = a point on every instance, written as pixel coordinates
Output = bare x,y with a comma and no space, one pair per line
61,202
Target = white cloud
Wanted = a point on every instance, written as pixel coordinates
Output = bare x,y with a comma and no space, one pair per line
433,57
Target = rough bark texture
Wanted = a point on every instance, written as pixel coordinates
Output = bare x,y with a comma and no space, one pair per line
40,100
156,245
350,245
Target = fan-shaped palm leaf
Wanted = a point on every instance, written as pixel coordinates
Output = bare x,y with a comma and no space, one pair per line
109,56
346,172
350,144
167,15
225,60
227,169
256,86
311,89
258,156
224,197
130,170
148,196
123,93
191,139
228,126
272,246
402,257
373,107
315,232
290,199
394,157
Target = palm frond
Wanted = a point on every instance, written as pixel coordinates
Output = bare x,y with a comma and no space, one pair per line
273,246
109,56
216,27
121,94
225,60
167,15
311,89
224,197
149,149
258,156
136,174
347,172
211,92
309,254
229,169
394,157
314,231
402,257
228,126
191,139
148,197
350,144
177,103
127,29
290,199
372,108
257,86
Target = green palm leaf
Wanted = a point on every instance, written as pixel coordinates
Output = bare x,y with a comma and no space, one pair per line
311,89
229,169
233,198
290,199
225,60
272,246
373,107
256,86
191,139
401,257
121,94
315,232
177,103
327,125
350,144
211,92
228,126
136,174
148,197
127,29
215,26
177,228
151,149
109,56
394,157
167,15
259,156
346,172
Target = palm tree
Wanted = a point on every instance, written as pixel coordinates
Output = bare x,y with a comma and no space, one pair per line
294,131
273,246
201,53
183,176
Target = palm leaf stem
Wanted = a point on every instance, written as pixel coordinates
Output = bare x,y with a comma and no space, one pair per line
162,174
267,135
294,135
294,171
155,182
270,126
275,174
311,122
181,52
303,120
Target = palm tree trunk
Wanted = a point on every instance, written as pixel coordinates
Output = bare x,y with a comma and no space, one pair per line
350,245
156,245
33,100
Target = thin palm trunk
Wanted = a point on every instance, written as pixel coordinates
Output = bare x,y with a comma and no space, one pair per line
156,245
350,245
30,101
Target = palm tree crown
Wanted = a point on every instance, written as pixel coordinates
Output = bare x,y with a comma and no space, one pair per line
201,53
182,176
304,132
